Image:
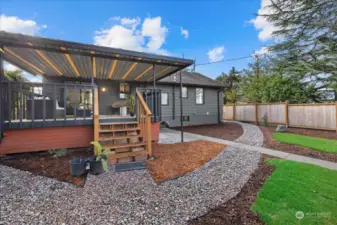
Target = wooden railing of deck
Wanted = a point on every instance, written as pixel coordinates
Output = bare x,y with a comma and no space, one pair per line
96,118
144,122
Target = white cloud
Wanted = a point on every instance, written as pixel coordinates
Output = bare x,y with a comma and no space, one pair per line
262,51
11,67
184,32
150,37
216,54
17,25
260,23
153,29
34,79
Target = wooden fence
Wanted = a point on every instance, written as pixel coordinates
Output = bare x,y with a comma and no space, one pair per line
315,116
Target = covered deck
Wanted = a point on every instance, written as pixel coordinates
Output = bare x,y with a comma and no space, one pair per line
71,93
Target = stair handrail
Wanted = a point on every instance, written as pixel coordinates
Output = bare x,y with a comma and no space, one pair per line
96,118
144,121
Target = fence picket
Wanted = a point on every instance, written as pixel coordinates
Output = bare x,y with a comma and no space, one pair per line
315,116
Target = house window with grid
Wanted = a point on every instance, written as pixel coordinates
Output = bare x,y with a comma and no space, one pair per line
164,98
124,90
184,92
199,96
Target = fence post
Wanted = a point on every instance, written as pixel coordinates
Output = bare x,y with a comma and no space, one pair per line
286,114
234,111
256,113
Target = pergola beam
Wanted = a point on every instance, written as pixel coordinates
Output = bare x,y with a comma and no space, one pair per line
143,73
45,58
130,70
113,68
25,61
161,72
70,60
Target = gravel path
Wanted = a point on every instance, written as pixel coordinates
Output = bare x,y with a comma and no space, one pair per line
124,198
252,135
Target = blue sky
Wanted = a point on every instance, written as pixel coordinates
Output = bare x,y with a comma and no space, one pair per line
192,28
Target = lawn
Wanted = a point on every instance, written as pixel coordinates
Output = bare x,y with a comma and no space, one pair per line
297,187
320,144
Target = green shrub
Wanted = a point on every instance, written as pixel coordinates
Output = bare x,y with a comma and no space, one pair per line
101,154
58,152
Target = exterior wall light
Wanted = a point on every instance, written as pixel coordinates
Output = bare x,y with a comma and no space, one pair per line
103,89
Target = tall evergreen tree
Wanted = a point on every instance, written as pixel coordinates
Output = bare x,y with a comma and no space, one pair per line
306,38
231,81
14,75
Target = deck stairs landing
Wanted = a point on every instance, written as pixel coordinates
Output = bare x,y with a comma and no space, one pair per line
124,139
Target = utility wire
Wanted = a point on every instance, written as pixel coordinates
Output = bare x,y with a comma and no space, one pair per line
227,60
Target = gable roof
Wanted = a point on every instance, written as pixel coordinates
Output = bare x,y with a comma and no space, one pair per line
191,78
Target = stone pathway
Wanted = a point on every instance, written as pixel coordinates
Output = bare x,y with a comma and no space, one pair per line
251,140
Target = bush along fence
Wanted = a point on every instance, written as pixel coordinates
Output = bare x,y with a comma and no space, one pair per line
315,116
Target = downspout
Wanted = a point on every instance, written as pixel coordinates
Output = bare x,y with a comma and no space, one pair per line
2,105
181,108
219,114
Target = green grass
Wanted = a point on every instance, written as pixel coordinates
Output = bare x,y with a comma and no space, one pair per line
320,144
296,187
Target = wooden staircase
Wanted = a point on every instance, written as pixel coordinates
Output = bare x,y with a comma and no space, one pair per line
125,141
128,141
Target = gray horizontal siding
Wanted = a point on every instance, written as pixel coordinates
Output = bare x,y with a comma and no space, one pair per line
206,113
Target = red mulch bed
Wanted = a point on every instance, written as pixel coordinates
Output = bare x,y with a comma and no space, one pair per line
270,142
226,131
45,164
237,210
174,160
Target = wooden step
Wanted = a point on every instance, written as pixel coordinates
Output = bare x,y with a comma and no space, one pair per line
126,154
129,145
118,130
110,138
119,123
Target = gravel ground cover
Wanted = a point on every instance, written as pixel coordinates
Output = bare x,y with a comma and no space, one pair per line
174,160
129,197
270,142
227,131
252,135
124,198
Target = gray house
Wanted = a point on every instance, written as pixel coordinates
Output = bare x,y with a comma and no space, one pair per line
201,96
84,96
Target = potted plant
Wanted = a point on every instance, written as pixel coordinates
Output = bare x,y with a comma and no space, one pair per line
131,105
100,162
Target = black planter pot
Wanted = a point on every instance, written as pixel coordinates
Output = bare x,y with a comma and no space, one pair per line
96,167
77,166
132,114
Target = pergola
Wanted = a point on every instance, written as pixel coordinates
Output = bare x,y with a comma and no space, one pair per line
51,57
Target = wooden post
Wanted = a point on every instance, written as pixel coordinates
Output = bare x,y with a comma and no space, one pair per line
2,105
256,114
149,135
96,118
234,111
287,115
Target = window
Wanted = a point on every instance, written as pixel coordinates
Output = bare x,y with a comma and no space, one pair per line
199,96
164,99
184,92
124,90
